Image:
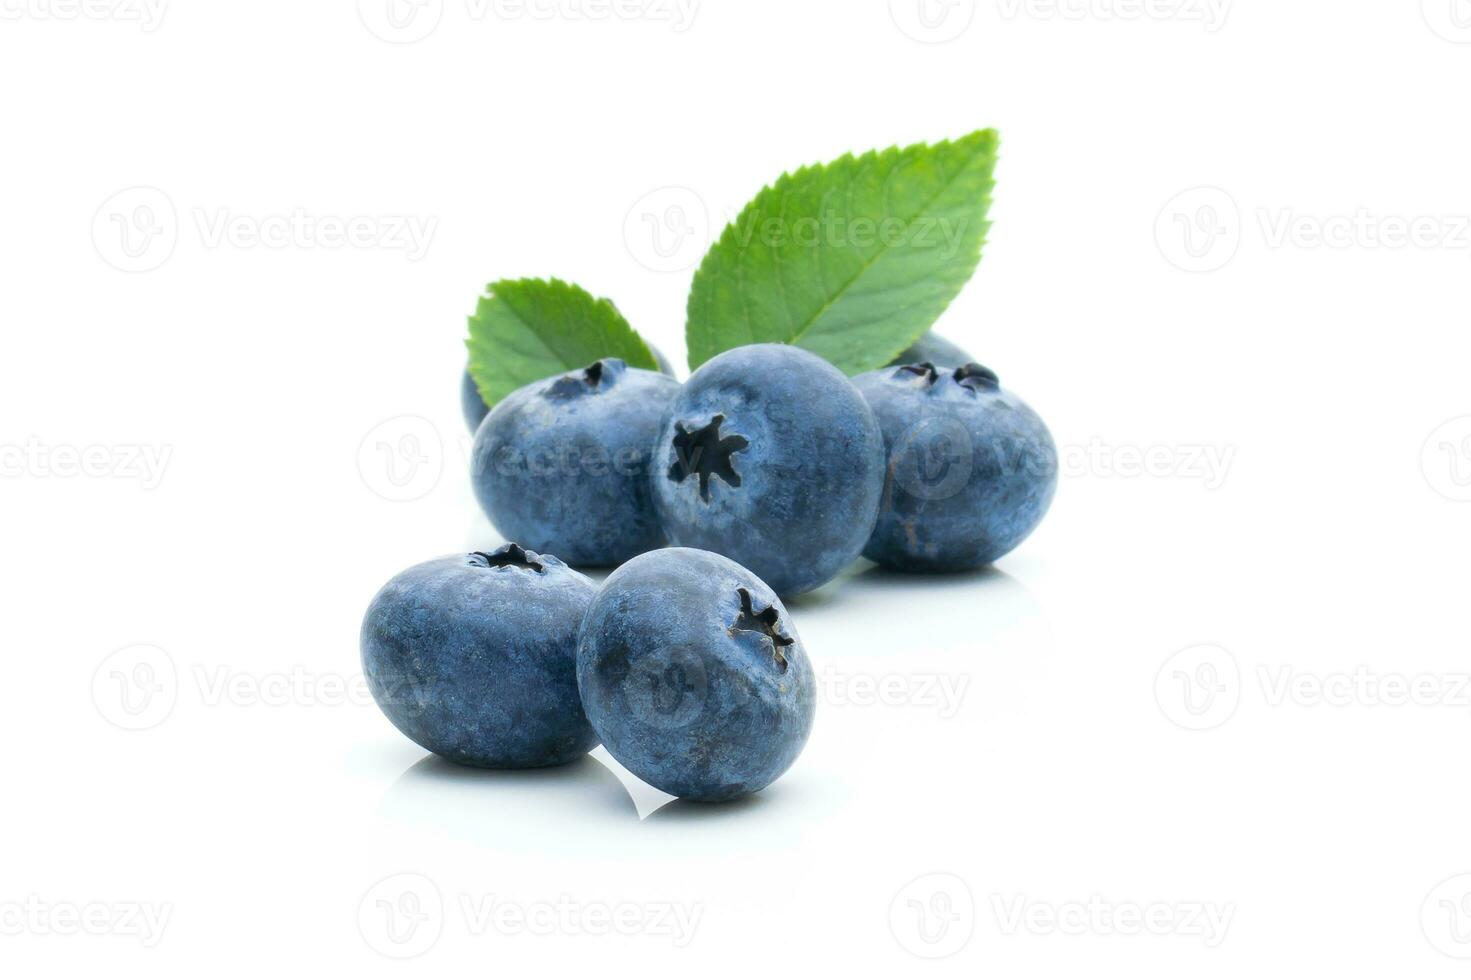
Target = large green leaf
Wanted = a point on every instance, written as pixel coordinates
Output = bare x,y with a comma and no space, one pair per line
854,260
524,330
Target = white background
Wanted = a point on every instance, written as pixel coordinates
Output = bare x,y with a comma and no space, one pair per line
299,401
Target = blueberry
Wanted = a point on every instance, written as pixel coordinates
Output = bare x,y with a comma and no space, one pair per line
693,676
471,403
770,456
971,468
563,464
934,349
475,409
474,658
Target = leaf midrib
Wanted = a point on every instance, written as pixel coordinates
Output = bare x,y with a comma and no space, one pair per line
883,251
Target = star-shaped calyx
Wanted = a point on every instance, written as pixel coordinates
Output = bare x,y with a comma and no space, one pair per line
704,452
766,622
511,556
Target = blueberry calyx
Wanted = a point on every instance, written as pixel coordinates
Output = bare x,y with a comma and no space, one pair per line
704,452
766,622
511,556
975,377
590,379
972,377
924,369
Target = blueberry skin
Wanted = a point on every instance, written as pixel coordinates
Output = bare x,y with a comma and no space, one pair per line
693,676
474,658
563,464
971,470
476,410
933,349
771,457
471,403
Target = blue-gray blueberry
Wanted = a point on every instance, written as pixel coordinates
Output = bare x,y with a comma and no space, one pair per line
474,658
933,349
771,457
475,409
562,465
693,675
971,468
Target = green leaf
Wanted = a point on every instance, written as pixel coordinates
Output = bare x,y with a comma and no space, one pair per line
854,260
524,330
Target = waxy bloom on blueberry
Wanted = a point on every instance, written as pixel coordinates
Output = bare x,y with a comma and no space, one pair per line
474,658
971,469
693,677
771,457
563,464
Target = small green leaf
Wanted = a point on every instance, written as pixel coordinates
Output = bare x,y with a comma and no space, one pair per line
524,330
854,260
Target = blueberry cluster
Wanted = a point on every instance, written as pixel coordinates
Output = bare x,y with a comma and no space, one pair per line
764,475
